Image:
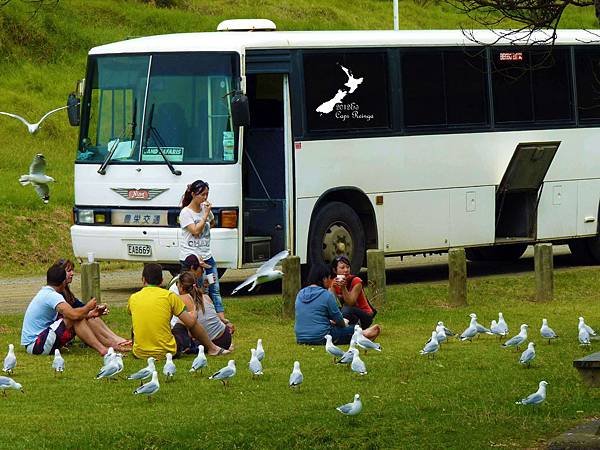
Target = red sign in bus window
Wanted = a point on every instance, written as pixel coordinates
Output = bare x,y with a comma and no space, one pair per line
511,56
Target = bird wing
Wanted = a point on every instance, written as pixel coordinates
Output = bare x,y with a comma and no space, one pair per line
358,365
15,117
43,191
38,165
515,340
51,112
296,378
345,409
431,347
255,365
148,388
449,332
271,263
533,399
335,351
248,280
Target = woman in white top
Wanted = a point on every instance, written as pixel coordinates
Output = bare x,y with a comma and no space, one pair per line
195,220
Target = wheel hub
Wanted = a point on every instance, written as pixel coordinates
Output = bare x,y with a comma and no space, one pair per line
337,241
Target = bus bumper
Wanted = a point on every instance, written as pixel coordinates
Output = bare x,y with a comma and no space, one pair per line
149,244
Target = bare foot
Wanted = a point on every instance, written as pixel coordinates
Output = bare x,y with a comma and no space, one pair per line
218,352
372,332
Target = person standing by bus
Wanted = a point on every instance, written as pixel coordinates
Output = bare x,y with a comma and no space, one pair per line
195,220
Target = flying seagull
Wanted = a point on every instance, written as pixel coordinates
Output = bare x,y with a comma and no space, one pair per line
38,178
33,127
265,273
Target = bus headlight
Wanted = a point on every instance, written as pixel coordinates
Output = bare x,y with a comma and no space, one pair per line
85,216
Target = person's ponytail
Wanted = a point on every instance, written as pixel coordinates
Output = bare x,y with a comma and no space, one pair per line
187,196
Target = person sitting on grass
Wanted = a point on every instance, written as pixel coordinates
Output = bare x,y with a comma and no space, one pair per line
151,310
50,322
202,309
349,290
102,332
317,313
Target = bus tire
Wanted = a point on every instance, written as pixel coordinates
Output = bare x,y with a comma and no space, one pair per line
581,251
593,244
499,253
337,230
473,254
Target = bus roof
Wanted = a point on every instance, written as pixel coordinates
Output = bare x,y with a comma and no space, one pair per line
240,41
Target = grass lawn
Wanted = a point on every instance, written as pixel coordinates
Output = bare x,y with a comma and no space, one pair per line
464,398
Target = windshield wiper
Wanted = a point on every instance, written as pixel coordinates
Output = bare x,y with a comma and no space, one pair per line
158,140
115,145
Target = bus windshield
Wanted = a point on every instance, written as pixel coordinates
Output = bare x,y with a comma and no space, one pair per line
136,105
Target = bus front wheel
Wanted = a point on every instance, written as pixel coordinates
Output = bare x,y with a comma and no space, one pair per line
337,230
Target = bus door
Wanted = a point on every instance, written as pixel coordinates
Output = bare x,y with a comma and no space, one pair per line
518,193
264,191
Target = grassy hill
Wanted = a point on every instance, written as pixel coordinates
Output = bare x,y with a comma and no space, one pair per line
43,54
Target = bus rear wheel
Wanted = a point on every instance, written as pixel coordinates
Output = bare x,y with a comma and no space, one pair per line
500,253
581,251
337,230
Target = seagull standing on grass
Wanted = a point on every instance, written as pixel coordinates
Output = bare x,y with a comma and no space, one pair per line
225,374
260,351
528,355
265,273
33,127
296,377
547,332
589,329
254,365
497,329
470,332
110,353
10,361
37,177
432,345
358,364
517,340
440,331
145,372
9,383
150,388
502,323
200,361
347,357
169,368
58,364
111,369
584,336
537,397
330,348
364,342
480,328
352,408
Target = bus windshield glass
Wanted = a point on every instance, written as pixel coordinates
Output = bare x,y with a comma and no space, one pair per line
137,105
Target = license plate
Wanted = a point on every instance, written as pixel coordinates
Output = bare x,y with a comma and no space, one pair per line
139,249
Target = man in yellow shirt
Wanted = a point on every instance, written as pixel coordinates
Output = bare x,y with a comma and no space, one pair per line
151,310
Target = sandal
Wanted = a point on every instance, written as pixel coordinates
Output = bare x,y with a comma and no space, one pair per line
125,346
221,352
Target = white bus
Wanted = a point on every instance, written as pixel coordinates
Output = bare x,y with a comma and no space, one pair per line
404,141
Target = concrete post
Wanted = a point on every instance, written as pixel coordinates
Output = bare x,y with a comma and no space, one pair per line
457,277
290,285
544,272
90,281
376,275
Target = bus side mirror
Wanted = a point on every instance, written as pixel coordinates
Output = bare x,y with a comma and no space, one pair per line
73,110
240,110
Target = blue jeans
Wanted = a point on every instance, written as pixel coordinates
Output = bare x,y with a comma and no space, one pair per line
214,290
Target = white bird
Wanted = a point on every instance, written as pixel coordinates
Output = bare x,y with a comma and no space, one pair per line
254,365
584,336
169,368
9,383
118,359
358,364
265,273
110,353
589,329
537,397
352,408
10,361
470,332
502,323
330,348
149,388
296,377
37,177
347,357
547,332
432,345
480,328
33,127
497,329
145,372
260,351
356,334
364,342
58,364
518,339
111,369
225,374
200,361
528,355
440,330
352,82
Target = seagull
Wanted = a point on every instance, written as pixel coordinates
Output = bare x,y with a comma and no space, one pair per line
347,357
169,368
357,332
352,408
330,348
260,352
225,373
442,332
10,362
296,377
528,355
254,365
517,340
265,273
145,372
364,342
37,177
151,387
9,383
547,332
480,328
58,364
200,361
352,82
432,345
111,369
33,127
502,323
470,332
537,397
110,353
497,329
589,329
357,364
584,336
